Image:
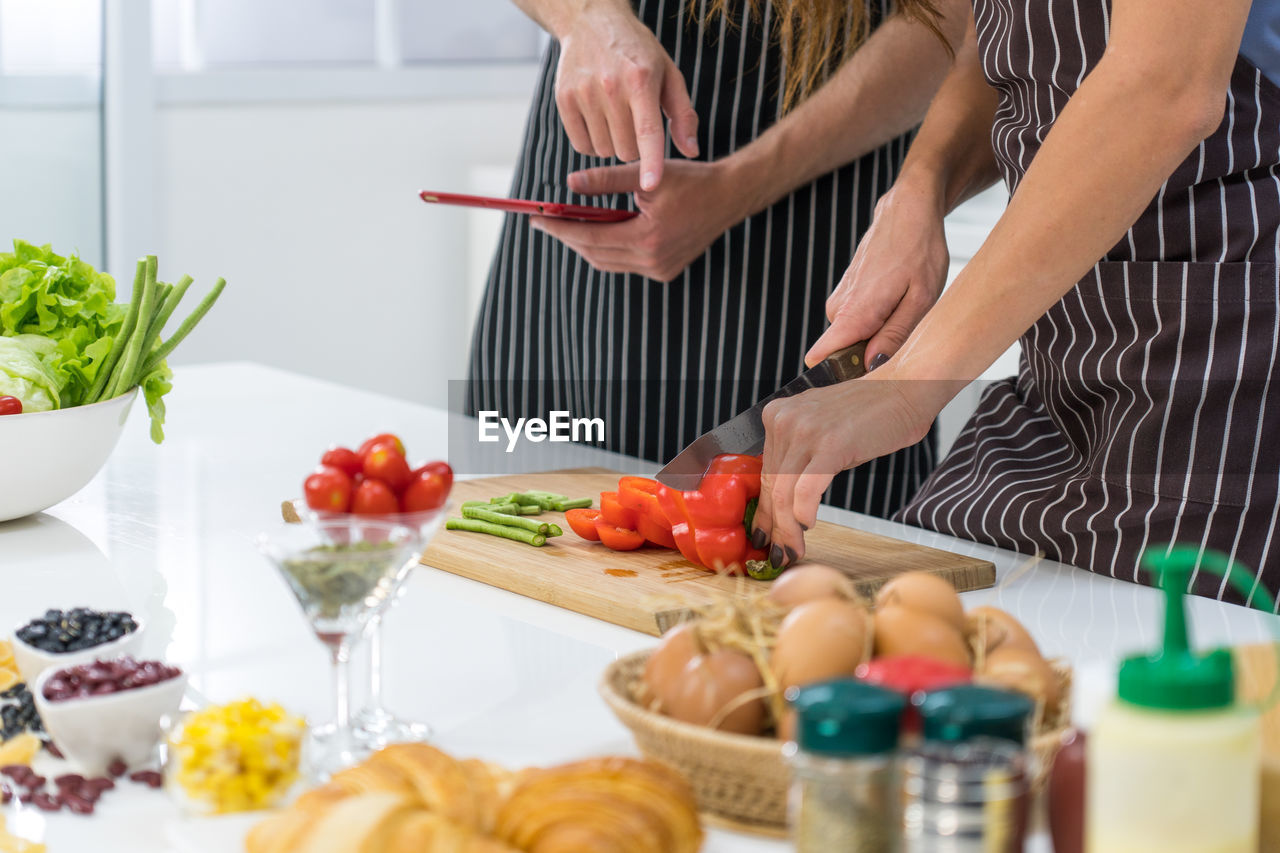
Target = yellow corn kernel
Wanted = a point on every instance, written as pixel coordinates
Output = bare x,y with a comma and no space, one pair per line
19,749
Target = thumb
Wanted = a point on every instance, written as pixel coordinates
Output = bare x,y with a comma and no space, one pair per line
606,179
679,109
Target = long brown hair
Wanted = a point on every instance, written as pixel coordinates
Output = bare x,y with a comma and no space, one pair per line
817,36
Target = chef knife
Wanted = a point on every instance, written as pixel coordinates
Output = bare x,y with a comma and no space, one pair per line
744,433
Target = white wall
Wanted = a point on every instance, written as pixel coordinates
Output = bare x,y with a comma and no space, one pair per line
335,268
51,179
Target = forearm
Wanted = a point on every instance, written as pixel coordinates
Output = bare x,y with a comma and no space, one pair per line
1119,138
555,16
881,92
951,159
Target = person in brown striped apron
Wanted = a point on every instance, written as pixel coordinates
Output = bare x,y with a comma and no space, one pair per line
670,324
1136,262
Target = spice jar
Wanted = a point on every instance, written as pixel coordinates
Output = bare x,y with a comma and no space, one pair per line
844,792
965,788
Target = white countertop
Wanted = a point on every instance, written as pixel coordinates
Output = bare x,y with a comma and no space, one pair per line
167,532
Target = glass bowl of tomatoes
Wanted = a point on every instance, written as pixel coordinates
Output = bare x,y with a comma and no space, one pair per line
376,480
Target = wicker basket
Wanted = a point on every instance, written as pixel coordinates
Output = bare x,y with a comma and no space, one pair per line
742,781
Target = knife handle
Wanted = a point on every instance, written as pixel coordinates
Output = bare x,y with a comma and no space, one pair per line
848,363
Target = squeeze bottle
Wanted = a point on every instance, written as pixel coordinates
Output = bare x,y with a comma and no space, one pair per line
1174,762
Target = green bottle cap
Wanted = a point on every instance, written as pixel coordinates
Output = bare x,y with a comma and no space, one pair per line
844,717
1175,678
966,711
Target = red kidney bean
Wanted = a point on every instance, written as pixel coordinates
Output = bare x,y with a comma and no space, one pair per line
79,805
116,769
72,780
24,796
33,781
15,771
52,748
101,678
46,803
101,783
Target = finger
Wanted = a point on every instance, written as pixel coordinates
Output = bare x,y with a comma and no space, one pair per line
787,536
901,323
605,235
575,127
847,329
598,127
622,130
606,179
762,522
679,109
651,135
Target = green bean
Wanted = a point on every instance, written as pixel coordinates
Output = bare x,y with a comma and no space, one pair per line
122,381
172,295
555,530
508,520
185,329
475,525
122,337
505,509
574,503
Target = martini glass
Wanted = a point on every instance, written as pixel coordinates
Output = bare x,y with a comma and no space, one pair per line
342,572
375,725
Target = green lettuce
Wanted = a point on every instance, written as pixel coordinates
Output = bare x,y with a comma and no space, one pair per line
25,376
68,304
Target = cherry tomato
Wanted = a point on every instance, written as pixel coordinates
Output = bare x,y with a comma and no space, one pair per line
612,511
618,538
342,457
328,489
583,522
381,437
10,406
438,467
383,461
425,492
374,497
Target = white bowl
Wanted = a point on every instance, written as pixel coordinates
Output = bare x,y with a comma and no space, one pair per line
32,662
94,731
46,457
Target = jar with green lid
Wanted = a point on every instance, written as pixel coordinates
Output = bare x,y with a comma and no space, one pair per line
965,788
844,792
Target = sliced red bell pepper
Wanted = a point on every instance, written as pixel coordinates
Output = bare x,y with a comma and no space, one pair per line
709,523
641,495
612,511
618,538
583,522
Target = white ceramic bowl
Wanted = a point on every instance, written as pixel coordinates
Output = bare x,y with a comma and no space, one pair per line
96,730
32,662
46,457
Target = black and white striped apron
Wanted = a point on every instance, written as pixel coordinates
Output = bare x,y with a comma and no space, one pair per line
663,363
1144,410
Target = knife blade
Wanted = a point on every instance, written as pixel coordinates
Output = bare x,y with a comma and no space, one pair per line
744,432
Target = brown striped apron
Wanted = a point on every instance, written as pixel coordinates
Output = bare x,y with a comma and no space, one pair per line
1144,410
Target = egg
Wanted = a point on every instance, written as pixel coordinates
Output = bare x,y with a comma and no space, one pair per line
994,629
925,593
679,645
903,631
808,583
710,689
821,639
1023,670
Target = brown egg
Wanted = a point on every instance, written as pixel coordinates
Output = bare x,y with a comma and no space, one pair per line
925,593
710,688
808,583
662,670
902,631
998,629
1022,670
821,639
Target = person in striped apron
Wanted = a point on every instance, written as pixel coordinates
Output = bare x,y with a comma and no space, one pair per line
670,324
1136,263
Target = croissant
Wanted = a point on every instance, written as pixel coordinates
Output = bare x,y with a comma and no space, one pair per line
413,798
610,805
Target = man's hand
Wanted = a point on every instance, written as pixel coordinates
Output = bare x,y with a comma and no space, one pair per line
677,222
613,85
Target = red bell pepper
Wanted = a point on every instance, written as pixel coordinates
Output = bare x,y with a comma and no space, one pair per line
912,675
709,523
640,495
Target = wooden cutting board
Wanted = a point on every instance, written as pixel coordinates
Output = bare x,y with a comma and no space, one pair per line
653,588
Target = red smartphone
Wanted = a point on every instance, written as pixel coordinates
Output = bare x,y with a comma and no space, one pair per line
582,212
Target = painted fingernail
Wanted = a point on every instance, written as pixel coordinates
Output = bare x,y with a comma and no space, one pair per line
776,556
791,554
758,538
879,361
804,527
